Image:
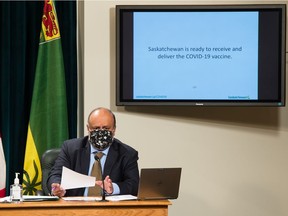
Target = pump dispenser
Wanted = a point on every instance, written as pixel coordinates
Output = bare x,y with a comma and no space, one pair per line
16,190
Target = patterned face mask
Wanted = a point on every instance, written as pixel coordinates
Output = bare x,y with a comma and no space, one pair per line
101,139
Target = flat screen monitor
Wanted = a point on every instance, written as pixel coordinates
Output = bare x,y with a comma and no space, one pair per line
201,55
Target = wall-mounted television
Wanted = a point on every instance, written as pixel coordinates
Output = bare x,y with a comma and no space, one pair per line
201,55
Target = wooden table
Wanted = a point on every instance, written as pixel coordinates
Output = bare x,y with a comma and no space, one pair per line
86,208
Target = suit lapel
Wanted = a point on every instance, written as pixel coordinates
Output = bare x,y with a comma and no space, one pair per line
111,158
84,155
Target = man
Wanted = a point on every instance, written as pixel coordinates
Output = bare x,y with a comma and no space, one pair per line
120,173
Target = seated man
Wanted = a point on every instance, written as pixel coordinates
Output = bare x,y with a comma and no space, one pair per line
119,161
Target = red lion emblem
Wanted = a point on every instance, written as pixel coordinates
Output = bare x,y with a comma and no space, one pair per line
49,19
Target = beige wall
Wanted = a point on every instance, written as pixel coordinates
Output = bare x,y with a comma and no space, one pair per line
234,160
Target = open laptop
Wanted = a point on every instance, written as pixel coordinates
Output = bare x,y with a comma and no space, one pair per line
159,183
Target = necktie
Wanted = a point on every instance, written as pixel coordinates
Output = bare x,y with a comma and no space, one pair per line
96,171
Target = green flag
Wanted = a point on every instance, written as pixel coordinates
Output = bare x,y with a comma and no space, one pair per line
48,123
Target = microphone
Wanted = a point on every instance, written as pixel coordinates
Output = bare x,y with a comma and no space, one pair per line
103,190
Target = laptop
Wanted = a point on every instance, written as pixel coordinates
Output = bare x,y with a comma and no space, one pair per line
159,183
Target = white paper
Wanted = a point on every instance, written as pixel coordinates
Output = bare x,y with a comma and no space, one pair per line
81,198
39,198
71,179
5,199
121,197
109,198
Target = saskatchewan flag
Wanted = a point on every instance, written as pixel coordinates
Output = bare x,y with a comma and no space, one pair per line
48,122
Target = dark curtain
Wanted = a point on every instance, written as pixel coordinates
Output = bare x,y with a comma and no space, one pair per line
19,39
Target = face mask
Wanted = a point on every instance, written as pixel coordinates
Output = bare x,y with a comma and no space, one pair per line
101,139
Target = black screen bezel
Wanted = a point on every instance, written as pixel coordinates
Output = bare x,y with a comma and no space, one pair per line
272,73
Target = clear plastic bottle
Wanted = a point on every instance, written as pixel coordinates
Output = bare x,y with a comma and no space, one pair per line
16,195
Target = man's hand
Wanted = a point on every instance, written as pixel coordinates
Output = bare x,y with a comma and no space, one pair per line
107,184
57,190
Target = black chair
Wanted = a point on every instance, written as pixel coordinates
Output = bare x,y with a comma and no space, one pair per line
47,162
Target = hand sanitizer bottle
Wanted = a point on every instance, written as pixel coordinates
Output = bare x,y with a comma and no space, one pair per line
16,191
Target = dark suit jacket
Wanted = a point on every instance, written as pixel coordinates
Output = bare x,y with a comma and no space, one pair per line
121,165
